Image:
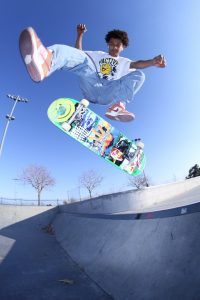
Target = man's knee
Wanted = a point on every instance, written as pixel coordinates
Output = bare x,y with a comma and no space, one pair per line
140,75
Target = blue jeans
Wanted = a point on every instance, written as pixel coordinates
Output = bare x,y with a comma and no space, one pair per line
95,89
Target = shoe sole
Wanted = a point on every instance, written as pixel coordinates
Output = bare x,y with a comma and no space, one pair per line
122,118
28,49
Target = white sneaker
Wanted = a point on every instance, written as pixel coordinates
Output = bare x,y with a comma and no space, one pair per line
36,56
119,113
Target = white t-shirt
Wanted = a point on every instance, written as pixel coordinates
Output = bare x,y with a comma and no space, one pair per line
109,67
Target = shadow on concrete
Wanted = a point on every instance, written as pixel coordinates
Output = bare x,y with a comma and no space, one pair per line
33,262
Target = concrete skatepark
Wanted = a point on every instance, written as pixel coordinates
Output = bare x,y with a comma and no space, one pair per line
141,244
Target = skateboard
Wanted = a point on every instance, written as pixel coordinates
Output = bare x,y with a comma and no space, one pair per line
76,120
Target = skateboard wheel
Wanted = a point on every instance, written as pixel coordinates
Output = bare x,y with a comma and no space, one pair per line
84,102
66,126
140,145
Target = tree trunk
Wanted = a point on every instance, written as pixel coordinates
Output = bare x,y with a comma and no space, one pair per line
38,198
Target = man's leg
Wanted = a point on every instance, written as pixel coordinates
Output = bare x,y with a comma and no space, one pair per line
41,61
70,59
124,91
131,84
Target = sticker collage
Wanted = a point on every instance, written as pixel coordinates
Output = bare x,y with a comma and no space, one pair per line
78,121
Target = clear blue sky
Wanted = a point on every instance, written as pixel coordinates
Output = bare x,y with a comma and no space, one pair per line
166,108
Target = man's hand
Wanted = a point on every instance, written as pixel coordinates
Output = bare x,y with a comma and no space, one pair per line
159,61
81,28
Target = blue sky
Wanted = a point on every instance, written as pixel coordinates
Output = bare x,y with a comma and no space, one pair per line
166,108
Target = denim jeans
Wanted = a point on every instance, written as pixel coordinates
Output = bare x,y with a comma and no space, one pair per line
95,89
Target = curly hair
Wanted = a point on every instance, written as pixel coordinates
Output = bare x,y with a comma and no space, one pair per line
118,34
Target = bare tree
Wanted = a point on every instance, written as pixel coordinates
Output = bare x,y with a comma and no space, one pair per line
38,177
139,181
90,180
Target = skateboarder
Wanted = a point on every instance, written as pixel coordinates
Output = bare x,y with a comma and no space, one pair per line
105,78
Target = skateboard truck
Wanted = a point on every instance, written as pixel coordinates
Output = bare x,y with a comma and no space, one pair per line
83,104
139,143
140,146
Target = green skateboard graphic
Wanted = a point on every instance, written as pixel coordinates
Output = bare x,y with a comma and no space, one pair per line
78,121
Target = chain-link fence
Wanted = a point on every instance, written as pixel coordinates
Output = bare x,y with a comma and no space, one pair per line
20,201
73,195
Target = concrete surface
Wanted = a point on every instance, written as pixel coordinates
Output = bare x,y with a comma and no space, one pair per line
137,259
32,262
117,246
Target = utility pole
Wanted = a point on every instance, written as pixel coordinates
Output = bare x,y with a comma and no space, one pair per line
10,116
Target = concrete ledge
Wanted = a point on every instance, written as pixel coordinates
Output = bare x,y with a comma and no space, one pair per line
148,199
11,214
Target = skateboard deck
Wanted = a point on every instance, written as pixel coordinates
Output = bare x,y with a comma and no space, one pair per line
76,120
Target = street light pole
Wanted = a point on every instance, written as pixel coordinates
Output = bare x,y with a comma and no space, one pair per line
10,116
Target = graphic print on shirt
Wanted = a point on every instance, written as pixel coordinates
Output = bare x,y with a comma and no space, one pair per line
108,67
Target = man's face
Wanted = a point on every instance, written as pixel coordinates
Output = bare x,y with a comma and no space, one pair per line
115,47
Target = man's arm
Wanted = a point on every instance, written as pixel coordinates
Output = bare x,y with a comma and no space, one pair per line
81,28
157,61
